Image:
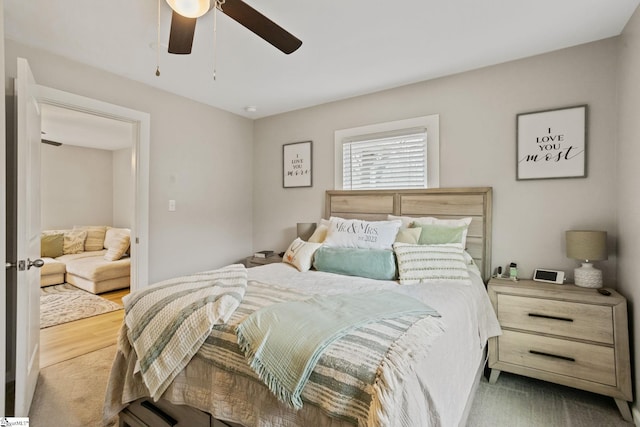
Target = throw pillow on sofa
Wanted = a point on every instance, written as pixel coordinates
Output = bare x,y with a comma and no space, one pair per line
74,241
95,236
116,242
51,245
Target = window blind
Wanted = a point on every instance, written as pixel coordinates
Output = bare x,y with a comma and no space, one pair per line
386,161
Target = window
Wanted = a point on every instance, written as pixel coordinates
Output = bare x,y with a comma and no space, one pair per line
394,155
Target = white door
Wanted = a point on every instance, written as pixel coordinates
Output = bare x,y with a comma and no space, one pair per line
28,239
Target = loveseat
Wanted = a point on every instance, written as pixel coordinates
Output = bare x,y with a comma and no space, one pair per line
93,258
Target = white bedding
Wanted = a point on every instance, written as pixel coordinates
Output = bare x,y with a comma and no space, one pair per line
435,396
468,317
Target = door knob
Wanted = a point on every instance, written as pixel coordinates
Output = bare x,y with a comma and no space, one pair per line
35,263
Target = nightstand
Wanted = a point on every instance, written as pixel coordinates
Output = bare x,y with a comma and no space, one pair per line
563,334
254,261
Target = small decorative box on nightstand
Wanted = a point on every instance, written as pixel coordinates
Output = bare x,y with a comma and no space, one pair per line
563,334
255,261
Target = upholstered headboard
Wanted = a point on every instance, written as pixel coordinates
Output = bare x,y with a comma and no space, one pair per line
445,203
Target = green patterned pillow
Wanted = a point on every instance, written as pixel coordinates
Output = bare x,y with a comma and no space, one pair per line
425,263
437,234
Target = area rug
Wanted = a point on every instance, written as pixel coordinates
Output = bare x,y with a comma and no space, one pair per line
66,303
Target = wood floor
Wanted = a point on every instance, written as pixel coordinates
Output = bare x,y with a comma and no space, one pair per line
68,340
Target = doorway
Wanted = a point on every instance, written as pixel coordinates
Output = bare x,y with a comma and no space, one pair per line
140,129
87,125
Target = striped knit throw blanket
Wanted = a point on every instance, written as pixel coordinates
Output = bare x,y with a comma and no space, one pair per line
283,342
167,323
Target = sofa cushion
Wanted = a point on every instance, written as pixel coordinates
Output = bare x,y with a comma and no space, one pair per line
95,236
117,242
52,266
51,245
96,268
71,257
74,241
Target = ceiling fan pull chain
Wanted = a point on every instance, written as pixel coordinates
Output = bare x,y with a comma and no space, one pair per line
158,44
218,5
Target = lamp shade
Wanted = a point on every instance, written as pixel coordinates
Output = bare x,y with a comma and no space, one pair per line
190,8
586,245
305,230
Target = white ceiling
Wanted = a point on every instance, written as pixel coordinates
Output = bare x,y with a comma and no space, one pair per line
349,48
78,128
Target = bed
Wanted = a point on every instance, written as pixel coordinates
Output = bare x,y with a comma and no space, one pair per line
218,388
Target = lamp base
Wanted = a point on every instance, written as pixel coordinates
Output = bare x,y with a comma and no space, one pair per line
588,276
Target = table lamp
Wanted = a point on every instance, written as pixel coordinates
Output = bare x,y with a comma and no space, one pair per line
304,230
587,246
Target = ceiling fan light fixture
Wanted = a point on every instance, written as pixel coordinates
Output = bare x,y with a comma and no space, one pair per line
190,8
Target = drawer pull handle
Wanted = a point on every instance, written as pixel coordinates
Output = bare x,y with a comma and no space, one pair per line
544,316
159,413
541,353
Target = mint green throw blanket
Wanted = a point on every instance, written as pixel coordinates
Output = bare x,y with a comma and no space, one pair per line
283,342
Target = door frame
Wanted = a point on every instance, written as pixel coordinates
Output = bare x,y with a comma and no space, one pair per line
141,124
3,231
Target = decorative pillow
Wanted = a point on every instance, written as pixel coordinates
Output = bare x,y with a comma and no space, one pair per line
300,254
408,221
409,235
435,234
319,234
95,236
74,242
463,222
377,264
424,263
355,233
51,245
117,242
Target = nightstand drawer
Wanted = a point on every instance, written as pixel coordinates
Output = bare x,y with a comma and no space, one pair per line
574,359
565,318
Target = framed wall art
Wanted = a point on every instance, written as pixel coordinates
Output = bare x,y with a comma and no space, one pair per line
552,144
297,165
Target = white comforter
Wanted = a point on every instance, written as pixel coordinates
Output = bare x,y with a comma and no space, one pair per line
435,396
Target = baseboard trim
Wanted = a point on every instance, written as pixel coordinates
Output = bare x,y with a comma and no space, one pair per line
635,412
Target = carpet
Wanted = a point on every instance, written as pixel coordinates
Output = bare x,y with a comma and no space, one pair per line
517,401
66,303
71,393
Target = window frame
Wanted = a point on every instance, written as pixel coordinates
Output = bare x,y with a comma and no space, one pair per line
432,125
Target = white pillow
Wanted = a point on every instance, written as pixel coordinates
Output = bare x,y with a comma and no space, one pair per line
319,234
117,241
300,254
408,220
356,233
424,263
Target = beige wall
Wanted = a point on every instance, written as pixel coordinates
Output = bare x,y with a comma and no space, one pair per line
77,186
629,181
123,186
477,148
199,156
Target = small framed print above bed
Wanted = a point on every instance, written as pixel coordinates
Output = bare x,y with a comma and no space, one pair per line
297,162
552,143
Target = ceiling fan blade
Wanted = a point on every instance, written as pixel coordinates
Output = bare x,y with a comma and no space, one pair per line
181,35
260,25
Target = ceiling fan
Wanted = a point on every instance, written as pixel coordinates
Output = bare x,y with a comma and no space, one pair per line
186,12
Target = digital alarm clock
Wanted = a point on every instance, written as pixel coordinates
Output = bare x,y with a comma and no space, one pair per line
549,276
